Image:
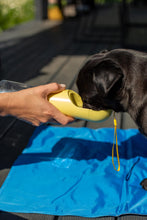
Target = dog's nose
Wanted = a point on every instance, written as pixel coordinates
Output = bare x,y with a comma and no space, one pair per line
84,105
84,102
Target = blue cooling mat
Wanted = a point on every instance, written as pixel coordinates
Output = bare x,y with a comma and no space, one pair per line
69,171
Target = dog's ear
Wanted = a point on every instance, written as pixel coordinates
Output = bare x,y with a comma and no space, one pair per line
107,75
103,51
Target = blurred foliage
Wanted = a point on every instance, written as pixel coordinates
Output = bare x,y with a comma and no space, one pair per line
13,12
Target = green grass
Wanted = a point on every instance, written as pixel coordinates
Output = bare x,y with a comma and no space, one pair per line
19,12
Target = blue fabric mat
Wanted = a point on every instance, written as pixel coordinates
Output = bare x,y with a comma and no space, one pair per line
69,171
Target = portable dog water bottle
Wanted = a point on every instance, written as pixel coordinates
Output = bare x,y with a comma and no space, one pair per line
70,103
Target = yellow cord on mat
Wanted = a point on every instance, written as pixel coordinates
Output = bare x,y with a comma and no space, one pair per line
115,143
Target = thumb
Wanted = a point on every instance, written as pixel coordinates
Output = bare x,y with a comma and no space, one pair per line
54,88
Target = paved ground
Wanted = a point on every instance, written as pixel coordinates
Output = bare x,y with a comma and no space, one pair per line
41,52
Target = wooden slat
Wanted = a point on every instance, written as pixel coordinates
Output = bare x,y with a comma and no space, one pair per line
12,144
24,216
33,52
82,218
49,71
68,72
132,217
127,121
106,123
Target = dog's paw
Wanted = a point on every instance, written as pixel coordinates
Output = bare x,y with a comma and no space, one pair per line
144,184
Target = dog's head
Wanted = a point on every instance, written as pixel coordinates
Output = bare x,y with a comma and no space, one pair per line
99,83
116,80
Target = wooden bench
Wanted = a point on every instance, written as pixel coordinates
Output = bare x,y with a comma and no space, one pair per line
36,53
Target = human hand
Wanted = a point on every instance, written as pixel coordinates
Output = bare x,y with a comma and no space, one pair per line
32,105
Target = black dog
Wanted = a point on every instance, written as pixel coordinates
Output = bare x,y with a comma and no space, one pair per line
116,80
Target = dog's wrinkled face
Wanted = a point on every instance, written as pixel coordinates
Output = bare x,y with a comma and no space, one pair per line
116,80
99,83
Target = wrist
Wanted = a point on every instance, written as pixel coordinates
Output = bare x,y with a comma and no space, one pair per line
4,104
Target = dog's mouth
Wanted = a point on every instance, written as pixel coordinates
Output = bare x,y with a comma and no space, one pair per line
88,105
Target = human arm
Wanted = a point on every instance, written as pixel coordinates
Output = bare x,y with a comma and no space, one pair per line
32,105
